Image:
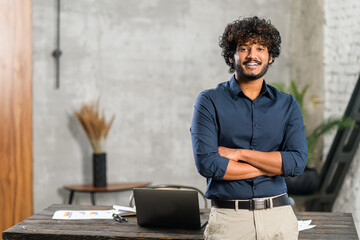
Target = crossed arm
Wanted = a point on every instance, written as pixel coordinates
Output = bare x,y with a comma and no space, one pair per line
252,163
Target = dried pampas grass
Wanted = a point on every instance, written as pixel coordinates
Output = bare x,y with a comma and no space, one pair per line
94,125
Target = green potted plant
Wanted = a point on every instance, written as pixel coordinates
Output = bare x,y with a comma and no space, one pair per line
308,182
96,129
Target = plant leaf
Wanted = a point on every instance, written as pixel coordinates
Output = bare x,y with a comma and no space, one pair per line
332,123
94,124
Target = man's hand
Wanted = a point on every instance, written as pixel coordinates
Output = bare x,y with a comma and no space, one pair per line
230,153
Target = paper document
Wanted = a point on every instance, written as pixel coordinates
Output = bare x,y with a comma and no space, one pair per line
76,215
93,214
124,211
305,224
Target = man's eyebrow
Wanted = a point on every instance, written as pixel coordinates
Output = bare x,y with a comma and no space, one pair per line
245,45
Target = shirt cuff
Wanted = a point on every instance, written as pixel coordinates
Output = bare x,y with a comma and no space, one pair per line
222,167
287,163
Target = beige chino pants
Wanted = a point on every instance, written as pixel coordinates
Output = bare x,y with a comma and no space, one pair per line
274,223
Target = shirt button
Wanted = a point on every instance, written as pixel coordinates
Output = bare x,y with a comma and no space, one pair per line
256,125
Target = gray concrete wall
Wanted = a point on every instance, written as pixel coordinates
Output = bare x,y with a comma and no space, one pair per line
306,53
147,60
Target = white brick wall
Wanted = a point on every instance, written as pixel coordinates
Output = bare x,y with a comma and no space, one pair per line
341,71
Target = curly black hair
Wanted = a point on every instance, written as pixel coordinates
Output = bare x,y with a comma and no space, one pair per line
252,28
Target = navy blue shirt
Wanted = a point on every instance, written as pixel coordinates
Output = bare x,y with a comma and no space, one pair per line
226,117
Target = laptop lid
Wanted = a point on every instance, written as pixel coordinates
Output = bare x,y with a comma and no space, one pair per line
168,208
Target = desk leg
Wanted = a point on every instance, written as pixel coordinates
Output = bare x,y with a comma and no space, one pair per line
71,196
92,196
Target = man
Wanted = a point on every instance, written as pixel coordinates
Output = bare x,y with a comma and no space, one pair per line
247,136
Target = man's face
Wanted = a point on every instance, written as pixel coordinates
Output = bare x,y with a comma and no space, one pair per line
251,61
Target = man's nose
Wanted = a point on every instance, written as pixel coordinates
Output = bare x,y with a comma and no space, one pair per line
251,54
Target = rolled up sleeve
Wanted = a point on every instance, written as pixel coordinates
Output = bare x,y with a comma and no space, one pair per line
294,150
204,138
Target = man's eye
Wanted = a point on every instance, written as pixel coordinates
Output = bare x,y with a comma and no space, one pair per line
261,49
242,49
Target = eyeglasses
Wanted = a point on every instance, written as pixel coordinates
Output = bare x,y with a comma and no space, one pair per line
119,218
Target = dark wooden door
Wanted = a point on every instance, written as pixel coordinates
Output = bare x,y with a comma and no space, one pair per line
16,197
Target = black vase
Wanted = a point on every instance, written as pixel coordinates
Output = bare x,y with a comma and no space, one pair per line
99,170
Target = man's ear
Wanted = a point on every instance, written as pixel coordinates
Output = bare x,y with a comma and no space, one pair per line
270,59
231,60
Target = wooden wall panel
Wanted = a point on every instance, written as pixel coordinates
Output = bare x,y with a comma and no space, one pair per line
16,199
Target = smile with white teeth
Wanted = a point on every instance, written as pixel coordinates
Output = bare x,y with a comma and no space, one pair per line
252,64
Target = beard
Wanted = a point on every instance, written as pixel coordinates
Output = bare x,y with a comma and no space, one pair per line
252,76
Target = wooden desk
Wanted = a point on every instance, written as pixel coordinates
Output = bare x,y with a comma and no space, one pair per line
41,226
112,187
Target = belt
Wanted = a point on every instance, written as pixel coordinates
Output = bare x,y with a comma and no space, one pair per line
253,204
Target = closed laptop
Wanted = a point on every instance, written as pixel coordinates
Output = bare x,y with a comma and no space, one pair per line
168,208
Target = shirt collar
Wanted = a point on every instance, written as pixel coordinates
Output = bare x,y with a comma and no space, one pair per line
236,90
